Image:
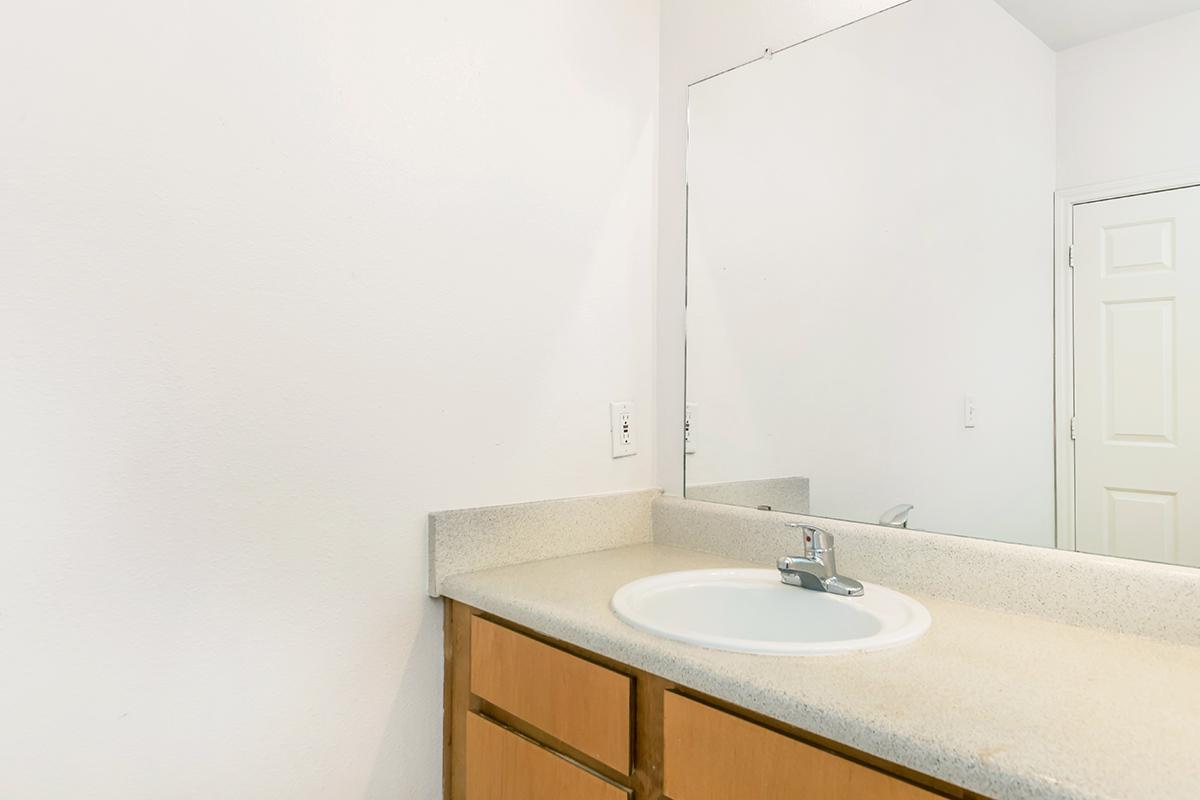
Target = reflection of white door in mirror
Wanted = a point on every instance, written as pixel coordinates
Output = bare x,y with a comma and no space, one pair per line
1137,376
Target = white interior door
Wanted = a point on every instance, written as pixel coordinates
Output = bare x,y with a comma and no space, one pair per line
1137,376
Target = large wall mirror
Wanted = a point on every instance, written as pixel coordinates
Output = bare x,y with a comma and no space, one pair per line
944,273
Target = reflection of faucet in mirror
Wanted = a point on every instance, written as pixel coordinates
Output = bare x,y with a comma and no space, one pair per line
896,517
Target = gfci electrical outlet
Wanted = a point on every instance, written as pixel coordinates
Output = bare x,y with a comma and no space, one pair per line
689,428
621,415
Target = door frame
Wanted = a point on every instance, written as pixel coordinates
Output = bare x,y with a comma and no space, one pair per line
1064,324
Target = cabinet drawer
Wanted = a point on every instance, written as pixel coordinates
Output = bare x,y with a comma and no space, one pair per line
580,703
504,766
711,755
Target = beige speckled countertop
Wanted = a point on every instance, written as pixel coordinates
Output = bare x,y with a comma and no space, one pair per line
1006,705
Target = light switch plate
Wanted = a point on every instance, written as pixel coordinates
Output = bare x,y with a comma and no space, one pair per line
622,428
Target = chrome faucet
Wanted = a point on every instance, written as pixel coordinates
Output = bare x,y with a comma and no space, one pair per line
817,568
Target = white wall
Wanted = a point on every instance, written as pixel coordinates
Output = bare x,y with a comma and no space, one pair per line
278,279
1126,104
700,38
862,256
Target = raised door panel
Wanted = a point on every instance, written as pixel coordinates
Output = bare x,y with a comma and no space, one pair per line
1139,372
583,704
1143,246
1143,525
712,755
504,766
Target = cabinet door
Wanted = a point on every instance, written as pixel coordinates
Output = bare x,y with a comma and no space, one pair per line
504,766
574,700
711,755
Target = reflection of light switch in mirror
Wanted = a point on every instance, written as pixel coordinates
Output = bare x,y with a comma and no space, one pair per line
969,412
689,428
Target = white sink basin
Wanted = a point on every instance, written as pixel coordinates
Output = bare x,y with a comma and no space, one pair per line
751,611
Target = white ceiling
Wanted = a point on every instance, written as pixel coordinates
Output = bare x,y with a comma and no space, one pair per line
1066,23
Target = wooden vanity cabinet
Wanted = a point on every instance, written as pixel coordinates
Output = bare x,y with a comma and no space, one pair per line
528,718
710,754
502,765
574,700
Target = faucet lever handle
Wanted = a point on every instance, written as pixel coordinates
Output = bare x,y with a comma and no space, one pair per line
816,540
